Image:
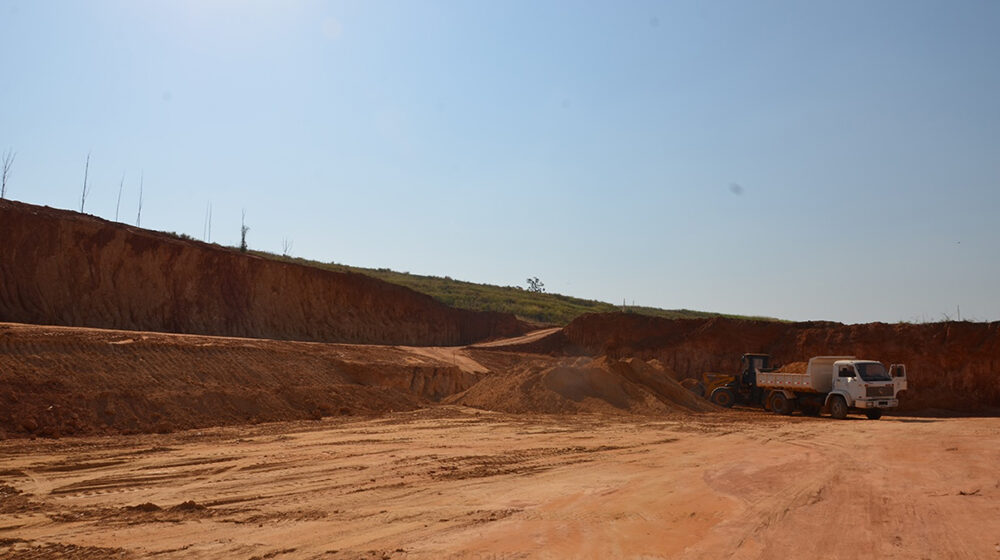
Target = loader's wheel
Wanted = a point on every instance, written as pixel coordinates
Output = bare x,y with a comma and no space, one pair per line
873,414
838,407
781,404
723,397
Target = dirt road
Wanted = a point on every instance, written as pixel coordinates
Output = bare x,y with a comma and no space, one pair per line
453,482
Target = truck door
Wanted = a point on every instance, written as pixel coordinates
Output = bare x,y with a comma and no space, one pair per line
845,379
898,374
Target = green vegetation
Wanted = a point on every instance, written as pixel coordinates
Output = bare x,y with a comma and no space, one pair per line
539,307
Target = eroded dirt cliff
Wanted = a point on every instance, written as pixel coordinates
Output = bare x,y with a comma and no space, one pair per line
63,268
953,365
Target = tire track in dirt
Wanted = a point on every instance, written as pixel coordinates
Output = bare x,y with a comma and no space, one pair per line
451,481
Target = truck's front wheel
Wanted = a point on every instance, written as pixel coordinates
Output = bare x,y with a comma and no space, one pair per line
723,397
838,407
873,414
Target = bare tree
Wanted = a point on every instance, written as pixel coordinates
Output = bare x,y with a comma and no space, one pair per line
207,230
121,186
138,216
8,163
204,225
243,232
286,246
86,171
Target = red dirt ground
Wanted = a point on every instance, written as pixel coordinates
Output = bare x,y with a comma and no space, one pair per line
563,443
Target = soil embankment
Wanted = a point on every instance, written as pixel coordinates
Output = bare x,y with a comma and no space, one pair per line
63,268
57,381
953,365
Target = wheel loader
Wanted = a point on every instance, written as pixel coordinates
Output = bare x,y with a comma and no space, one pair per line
727,390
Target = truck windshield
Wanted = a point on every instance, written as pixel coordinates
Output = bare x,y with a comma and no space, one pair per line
873,372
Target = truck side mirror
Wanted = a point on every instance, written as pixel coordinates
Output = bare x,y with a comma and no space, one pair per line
898,370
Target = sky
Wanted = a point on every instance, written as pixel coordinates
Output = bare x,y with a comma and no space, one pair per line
807,160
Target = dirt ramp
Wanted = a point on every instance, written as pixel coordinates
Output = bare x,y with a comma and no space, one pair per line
574,385
953,365
63,268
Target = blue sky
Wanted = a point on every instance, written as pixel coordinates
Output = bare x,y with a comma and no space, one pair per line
805,160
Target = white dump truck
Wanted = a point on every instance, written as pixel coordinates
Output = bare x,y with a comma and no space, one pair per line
841,383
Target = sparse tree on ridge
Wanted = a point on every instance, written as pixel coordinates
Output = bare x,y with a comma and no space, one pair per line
121,186
535,285
243,232
207,230
138,215
86,188
8,163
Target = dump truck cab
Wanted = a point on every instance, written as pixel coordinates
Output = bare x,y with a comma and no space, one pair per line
863,384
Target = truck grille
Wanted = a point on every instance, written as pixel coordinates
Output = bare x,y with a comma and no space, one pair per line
879,391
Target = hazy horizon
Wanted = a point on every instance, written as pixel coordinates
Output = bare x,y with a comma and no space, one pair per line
823,160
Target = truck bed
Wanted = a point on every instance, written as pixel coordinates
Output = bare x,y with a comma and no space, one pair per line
780,380
818,377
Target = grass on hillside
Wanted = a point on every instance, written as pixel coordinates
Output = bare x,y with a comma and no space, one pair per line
539,307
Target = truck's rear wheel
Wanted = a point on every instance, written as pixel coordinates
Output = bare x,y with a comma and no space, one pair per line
723,397
781,404
838,407
873,414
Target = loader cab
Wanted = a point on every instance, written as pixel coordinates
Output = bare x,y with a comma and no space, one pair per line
752,363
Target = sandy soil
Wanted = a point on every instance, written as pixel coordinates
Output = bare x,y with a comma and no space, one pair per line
452,482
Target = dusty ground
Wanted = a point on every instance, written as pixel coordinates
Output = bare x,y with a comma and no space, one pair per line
454,482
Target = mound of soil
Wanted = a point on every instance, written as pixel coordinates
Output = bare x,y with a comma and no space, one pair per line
794,367
57,381
953,365
575,385
63,268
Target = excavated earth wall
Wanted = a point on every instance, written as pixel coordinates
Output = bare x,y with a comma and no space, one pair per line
63,268
952,365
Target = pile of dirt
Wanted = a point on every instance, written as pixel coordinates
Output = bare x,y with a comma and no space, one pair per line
575,385
952,365
63,268
794,367
57,381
